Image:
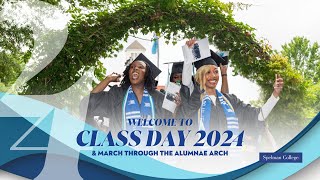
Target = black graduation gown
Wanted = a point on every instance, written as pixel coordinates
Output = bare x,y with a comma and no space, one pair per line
246,114
108,104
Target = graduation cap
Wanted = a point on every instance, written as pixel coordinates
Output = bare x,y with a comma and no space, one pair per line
224,55
215,59
220,57
155,71
177,67
205,61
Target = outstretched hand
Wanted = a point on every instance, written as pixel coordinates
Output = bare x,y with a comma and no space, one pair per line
277,86
113,77
177,99
223,69
191,42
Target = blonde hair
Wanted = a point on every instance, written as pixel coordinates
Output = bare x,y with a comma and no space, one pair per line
201,78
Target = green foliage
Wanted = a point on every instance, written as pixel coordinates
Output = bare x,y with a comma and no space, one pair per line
12,57
304,56
97,33
300,100
313,99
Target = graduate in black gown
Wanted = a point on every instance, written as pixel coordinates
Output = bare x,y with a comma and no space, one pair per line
176,72
135,98
213,110
176,77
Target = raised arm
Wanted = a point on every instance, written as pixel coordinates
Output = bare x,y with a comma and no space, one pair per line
224,77
250,113
187,70
272,101
114,77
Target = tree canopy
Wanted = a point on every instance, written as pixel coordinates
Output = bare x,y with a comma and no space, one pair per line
98,32
12,56
304,56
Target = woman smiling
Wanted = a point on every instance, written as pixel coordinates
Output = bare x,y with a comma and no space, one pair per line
135,98
222,111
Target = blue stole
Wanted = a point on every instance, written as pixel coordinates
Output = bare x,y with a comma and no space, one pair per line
205,113
132,110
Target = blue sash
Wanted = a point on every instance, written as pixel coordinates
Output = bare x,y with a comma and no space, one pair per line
205,113
131,109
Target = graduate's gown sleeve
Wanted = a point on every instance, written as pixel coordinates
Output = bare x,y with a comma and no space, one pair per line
103,105
248,116
190,104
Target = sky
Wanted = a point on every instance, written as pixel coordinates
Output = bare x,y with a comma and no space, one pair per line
278,21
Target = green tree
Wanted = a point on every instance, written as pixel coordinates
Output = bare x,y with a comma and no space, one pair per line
13,40
304,56
299,61
98,28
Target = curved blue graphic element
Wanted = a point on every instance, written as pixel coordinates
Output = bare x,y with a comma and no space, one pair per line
13,127
68,138
21,166
307,142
